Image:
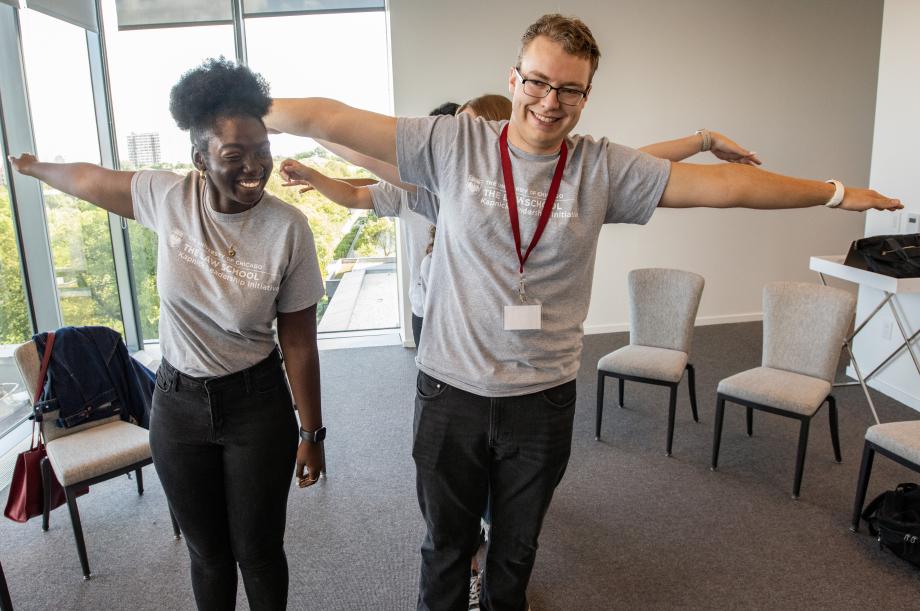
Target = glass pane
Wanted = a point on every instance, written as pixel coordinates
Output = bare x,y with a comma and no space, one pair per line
356,250
146,14
64,121
265,7
15,324
143,67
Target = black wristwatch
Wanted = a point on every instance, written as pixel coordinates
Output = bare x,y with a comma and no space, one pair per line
313,436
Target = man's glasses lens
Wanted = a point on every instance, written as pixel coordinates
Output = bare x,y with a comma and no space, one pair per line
539,89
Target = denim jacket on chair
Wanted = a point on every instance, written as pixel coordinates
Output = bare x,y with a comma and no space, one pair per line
91,377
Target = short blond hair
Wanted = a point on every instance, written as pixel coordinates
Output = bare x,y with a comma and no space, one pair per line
570,32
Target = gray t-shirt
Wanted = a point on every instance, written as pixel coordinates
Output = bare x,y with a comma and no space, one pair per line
474,269
390,201
216,310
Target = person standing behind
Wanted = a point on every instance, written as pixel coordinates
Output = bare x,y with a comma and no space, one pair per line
231,260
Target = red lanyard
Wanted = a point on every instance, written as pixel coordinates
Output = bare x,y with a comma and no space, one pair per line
512,197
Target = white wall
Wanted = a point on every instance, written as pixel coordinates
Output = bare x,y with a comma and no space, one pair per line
895,170
793,79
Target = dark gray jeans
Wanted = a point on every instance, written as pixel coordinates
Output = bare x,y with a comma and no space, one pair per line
509,452
224,450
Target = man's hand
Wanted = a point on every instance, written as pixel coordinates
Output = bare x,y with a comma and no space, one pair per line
23,164
860,200
727,149
310,463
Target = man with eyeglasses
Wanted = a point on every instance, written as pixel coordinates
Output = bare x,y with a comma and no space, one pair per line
521,207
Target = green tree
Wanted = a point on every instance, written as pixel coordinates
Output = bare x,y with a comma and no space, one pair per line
378,237
15,326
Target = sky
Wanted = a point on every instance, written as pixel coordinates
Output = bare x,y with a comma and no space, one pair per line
298,55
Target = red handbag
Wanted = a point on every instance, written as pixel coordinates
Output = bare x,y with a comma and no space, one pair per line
26,499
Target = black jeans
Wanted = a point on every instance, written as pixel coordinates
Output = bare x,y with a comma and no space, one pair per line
417,322
224,449
509,452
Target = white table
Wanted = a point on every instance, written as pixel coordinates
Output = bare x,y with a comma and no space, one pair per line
891,287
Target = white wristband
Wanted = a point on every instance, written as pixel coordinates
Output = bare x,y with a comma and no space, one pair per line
837,198
706,143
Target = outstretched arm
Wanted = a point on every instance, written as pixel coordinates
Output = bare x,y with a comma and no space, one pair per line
108,189
721,146
741,186
344,194
366,132
385,171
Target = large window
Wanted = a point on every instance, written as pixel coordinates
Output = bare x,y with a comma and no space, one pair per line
64,123
15,323
144,64
146,60
356,250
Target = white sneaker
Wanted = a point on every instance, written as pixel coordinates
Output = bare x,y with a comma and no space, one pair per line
475,588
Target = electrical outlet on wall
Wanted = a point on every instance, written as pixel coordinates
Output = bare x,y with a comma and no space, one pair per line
910,222
887,329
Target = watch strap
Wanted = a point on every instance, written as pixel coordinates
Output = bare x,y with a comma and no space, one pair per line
315,436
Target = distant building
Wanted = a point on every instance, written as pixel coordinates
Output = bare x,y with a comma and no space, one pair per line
144,149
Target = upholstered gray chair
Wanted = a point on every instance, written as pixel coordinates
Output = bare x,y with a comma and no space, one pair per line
662,309
803,329
899,441
84,455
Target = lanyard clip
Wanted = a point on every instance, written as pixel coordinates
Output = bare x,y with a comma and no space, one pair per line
522,293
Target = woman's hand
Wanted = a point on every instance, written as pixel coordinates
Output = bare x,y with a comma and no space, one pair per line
727,149
295,173
311,463
24,163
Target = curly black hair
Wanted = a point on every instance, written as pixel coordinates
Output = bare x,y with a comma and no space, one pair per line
217,88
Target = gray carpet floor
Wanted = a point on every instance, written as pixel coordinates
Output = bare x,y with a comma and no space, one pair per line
629,528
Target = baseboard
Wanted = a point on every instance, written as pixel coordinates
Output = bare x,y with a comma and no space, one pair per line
702,321
892,391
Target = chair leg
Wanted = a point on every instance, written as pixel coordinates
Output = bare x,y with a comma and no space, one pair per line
140,481
717,431
691,382
175,525
672,409
865,471
750,421
835,437
600,405
47,475
5,603
621,385
71,493
800,457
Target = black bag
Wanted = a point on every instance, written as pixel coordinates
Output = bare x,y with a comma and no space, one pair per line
894,517
897,256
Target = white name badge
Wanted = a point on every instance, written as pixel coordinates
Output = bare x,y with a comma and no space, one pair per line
523,317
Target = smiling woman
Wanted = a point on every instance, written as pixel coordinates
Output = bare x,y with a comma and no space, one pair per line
231,260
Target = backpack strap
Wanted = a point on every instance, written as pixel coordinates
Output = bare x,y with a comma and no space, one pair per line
868,513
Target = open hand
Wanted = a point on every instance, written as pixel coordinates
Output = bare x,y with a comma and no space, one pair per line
23,164
859,200
295,173
727,149
310,463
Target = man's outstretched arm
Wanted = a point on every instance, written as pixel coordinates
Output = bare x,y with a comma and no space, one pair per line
363,131
741,186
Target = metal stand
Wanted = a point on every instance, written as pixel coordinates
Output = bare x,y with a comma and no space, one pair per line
862,380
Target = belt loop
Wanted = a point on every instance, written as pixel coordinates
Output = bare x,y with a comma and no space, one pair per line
246,379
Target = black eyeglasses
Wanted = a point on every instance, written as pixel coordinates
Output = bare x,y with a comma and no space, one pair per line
539,89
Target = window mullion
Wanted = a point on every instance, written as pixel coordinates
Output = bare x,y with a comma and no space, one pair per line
105,128
26,193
